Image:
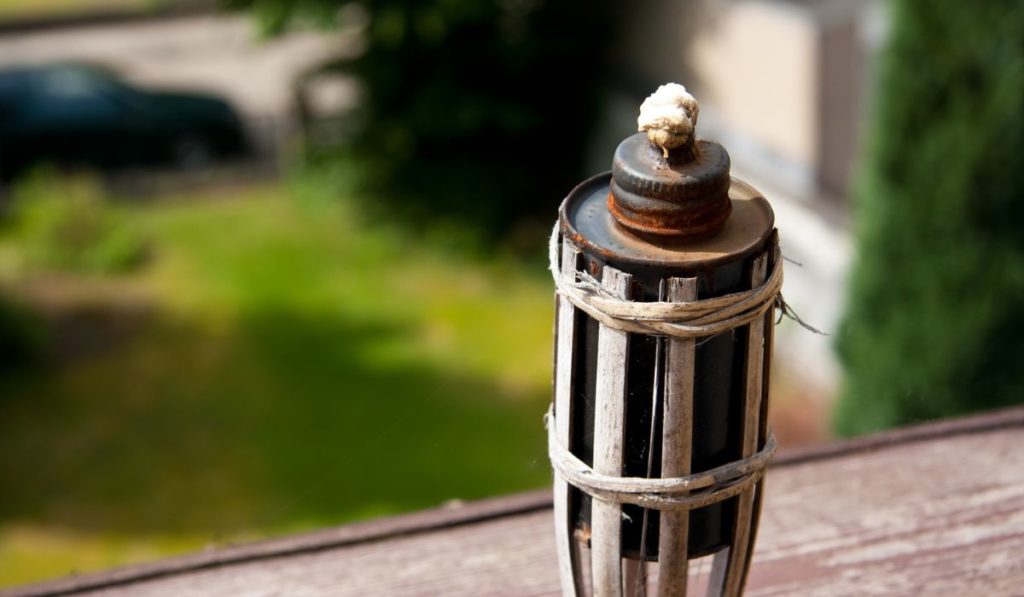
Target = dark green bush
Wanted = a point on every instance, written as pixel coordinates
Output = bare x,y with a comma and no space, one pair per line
935,325
479,109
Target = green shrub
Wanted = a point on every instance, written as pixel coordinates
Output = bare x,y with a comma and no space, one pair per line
478,109
935,325
68,224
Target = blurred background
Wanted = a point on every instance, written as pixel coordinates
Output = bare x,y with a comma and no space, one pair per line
267,266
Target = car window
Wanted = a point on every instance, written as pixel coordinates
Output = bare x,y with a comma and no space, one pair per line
11,84
68,83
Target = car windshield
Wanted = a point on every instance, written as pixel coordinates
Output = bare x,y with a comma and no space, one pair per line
11,84
77,82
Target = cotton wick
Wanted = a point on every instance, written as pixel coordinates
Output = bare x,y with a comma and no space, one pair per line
669,116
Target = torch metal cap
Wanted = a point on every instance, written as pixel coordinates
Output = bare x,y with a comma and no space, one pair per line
682,193
669,200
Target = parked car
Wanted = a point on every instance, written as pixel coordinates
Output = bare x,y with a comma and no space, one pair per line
81,115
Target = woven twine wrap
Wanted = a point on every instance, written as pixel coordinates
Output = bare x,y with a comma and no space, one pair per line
692,319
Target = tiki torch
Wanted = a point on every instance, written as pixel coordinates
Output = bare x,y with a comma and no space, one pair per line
667,271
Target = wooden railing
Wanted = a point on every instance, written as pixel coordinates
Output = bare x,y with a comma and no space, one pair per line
936,509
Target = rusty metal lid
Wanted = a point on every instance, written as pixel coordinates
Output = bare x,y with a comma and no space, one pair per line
586,219
669,199
681,193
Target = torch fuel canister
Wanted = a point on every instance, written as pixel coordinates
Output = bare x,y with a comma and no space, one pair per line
668,223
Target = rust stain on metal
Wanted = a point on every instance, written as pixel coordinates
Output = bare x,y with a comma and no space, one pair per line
587,222
685,195
691,224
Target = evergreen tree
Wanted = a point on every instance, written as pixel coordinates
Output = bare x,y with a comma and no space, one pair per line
935,324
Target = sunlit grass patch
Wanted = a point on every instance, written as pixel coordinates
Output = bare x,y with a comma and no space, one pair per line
299,365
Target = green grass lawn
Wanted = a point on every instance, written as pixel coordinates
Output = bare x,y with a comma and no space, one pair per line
299,365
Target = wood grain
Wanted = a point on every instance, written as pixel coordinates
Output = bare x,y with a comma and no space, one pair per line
564,354
774,261
926,529
676,448
609,443
727,580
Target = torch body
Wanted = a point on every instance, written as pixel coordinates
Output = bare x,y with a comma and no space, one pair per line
668,272
721,265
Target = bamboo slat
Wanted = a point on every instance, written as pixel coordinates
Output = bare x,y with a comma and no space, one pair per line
766,375
565,348
677,446
726,573
609,421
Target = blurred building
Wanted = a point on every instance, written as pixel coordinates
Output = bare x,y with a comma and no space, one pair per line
787,83
785,86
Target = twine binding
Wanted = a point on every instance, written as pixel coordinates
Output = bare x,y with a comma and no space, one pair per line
674,493
690,319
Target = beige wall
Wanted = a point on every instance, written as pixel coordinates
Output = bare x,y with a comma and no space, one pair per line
842,99
780,82
755,66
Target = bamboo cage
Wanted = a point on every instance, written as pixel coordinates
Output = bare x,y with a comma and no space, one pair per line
658,432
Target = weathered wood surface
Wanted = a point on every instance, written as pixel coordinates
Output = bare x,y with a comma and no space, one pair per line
564,356
677,446
609,442
932,510
727,574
